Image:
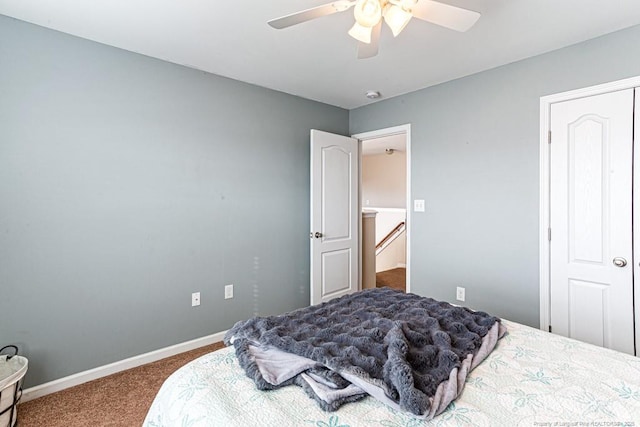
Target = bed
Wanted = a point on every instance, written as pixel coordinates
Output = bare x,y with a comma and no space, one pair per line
532,378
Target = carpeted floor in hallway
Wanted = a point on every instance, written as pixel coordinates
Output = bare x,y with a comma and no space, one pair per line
394,278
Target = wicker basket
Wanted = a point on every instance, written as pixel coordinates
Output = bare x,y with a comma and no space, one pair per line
12,370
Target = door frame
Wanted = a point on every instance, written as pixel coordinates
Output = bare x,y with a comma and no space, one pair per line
390,131
545,190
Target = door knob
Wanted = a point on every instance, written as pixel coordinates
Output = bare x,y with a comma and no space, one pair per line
317,235
619,262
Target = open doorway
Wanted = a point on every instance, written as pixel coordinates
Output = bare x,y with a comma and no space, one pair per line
384,189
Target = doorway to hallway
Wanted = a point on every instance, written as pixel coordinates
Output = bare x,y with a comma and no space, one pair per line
385,189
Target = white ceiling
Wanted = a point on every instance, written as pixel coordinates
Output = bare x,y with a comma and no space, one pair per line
317,59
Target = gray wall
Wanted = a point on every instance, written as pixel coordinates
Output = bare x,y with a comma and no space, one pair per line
475,157
126,184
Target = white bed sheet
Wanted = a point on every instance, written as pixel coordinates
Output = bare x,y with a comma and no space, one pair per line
532,378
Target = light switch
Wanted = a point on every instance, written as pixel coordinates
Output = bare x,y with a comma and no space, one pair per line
418,205
228,291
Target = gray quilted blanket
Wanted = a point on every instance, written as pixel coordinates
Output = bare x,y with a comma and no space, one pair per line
410,352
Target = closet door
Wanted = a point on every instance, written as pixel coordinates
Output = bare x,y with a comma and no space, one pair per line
591,220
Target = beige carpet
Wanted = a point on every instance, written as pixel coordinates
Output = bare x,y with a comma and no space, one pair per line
394,278
121,399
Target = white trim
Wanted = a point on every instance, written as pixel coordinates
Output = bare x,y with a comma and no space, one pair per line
360,209
398,210
629,83
636,218
122,365
545,118
395,130
544,247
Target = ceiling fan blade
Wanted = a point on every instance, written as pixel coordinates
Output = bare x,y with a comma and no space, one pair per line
309,14
369,50
445,15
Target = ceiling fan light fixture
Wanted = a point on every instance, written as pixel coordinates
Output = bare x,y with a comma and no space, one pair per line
367,12
396,18
360,33
369,15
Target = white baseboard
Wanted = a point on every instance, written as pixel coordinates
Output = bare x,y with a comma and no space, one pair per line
401,265
122,365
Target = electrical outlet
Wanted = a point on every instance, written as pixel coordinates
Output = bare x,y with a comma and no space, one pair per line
460,293
418,205
228,291
195,299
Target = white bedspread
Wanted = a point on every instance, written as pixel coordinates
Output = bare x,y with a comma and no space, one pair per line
532,378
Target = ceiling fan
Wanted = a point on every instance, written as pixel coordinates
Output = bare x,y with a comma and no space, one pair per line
369,15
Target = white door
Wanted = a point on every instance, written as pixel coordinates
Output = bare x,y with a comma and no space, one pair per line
335,219
591,220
